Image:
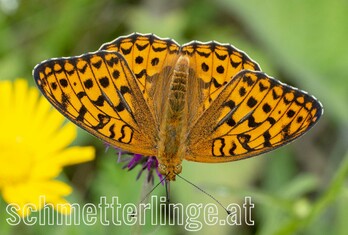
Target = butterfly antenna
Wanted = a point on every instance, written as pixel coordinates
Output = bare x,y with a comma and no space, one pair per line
208,194
147,195
133,214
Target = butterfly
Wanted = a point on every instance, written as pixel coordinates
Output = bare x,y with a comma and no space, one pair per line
203,102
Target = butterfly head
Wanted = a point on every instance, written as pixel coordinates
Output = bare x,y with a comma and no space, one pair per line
169,171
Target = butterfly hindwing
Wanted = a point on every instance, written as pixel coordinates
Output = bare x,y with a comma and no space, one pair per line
99,93
253,114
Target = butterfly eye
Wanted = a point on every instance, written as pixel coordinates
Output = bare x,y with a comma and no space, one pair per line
178,169
162,169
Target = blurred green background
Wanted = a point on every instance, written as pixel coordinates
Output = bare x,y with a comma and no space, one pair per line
298,189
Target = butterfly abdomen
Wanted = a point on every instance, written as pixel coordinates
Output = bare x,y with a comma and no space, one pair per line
177,96
171,147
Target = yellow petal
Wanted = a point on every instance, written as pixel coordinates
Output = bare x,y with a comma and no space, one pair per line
53,187
75,155
5,107
51,167
62,138
36,195
20,96
54,121
45,170
42,108
62,206
33,137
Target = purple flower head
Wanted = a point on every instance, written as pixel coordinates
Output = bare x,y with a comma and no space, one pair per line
149,164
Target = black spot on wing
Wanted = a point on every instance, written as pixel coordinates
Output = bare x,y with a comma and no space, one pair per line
124,90
285,131
141,73
141,47
221,149
275,95
116,74
205,67
206,55
248,80
63,82
139,60
100,101
70,72
242,91
160,49
251,102
83,69
112,61
271,120
231,151
234,64
54,85
266,108
231,122
251,122
97,64
215,82
290,113
112,132
126,51
65,101
88,83
104,82
231,104
286,100
154,61
220,69
103,120
82,113
220,57
81,94
120,107
267,137
299,119
262,87
244,140
123,134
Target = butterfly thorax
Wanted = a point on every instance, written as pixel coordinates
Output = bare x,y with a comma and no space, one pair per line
171,146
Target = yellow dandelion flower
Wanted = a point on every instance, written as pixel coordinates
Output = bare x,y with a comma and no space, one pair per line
33,149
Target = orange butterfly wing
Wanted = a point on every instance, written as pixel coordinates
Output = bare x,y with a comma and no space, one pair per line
253,114
99,93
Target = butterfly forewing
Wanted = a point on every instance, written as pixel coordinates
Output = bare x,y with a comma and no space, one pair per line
146,55
253,114
152,60
99,93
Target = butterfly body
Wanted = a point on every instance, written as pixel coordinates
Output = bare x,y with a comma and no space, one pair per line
203,102
172,139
